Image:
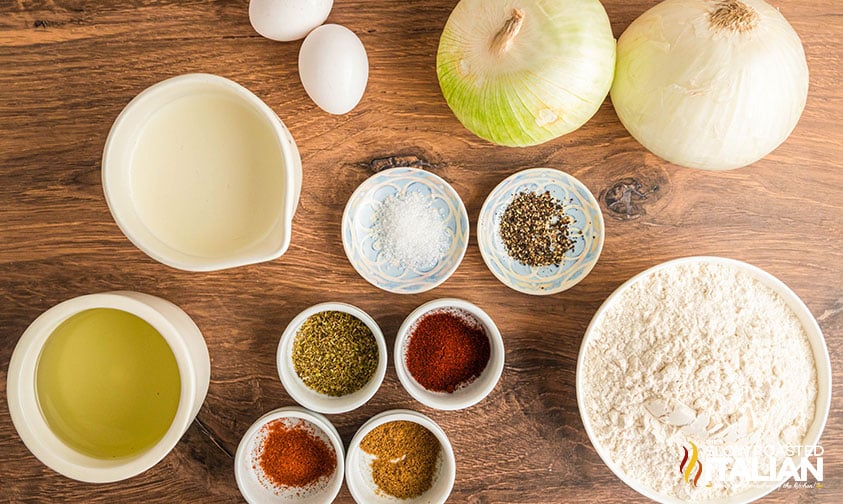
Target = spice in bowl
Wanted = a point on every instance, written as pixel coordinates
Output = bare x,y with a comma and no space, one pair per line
535,229
405,458
447,349
410,231
293,456
335,353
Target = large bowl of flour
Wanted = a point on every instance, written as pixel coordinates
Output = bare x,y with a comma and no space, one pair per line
705,379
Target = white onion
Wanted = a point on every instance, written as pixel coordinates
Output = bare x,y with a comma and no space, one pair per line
715,85
522,72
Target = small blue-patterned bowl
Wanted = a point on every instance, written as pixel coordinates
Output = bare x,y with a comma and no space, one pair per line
364,251
579,203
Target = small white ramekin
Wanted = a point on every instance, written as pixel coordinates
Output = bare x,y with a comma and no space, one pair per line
184,339
358,475
247,479
310,398
118,157
468,395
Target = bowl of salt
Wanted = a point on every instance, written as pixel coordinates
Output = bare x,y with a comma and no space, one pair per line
405,230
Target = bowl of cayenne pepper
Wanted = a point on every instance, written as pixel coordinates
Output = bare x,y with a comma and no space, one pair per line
449,354
290,455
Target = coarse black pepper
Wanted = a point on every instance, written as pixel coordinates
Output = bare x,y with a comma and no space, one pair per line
535,229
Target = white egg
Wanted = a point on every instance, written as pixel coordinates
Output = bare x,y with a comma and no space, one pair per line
333,68
287,20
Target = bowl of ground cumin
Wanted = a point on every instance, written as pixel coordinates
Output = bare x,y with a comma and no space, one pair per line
706,379
400,455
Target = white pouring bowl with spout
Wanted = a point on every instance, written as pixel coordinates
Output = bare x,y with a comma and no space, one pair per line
201,175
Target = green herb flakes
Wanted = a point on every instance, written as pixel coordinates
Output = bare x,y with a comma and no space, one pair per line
335,353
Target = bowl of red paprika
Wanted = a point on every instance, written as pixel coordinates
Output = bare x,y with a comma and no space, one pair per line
449,354
290,455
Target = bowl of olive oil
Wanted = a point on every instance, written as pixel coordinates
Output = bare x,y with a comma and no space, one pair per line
101,387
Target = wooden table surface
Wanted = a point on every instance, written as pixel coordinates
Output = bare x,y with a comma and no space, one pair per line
67,67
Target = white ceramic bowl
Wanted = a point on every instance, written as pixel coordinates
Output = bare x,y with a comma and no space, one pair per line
815,338
587,223
358,472
248,454
233,208
310,398
363,249
468,395
184,339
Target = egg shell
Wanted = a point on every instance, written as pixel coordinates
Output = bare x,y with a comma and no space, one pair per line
333,68
286,20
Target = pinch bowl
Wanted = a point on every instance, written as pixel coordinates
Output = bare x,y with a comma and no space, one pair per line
363,249
247,470
310,398
358,472
469,394
579,204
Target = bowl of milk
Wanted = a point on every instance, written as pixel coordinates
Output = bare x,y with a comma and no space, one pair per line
202,175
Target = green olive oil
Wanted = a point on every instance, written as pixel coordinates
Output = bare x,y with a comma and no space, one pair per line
108,384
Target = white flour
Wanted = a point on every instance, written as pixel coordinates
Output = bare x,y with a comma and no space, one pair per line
697,352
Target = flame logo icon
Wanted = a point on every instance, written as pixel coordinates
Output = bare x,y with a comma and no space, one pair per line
686,467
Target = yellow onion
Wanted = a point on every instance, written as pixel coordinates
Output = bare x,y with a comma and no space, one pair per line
522,72
708,84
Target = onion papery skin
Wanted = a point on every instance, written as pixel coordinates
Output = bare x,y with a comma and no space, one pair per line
549,81
709,97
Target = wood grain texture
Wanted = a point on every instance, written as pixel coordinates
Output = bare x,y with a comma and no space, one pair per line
67,67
